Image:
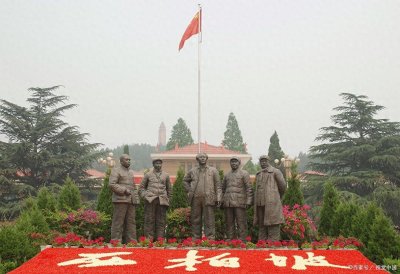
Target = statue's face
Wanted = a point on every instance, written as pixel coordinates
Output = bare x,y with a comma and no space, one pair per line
264,163
234,164
157,165
125,162
202,159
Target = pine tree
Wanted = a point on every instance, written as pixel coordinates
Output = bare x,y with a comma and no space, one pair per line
70,197
387,157
293,194
181,135
274,150
46,200
388,197
40,144
329,206
359,147
104,200
179,198
233,139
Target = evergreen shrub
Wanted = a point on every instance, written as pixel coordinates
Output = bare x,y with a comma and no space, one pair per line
32,221
70,197
139,218
46,200
6,267
179,197
104,200
293,194
329,206
15,245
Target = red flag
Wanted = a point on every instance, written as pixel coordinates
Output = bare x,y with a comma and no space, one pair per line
193,28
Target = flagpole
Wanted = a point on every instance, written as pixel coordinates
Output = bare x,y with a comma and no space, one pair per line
199,39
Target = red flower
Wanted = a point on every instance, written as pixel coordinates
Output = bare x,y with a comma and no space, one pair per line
142,238
172,240
114,243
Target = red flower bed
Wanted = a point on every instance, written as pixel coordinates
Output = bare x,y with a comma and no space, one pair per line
151,260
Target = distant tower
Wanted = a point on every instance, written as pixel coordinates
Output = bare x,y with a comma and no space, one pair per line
162,135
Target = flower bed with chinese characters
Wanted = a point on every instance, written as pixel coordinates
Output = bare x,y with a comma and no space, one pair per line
160,260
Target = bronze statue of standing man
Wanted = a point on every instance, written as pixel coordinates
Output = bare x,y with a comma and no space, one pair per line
125,198
237,196
268,214
156,191
203,188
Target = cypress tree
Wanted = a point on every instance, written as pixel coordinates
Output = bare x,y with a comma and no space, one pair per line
70,197
104,200
274,150
179,198
293,194
384,241
361,226
181,135
329,206
344,218
46,200
233,139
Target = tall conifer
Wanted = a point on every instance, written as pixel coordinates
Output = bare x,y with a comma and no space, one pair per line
233,139
181,135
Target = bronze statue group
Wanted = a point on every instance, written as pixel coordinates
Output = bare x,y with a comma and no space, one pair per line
205,192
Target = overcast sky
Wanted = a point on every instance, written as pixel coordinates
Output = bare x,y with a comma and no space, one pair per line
277,65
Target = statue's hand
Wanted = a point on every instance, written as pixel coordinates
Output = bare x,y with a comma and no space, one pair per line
219,204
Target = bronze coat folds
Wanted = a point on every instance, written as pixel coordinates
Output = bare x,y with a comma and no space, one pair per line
270,187
213,189
237,190
121,179
156,186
